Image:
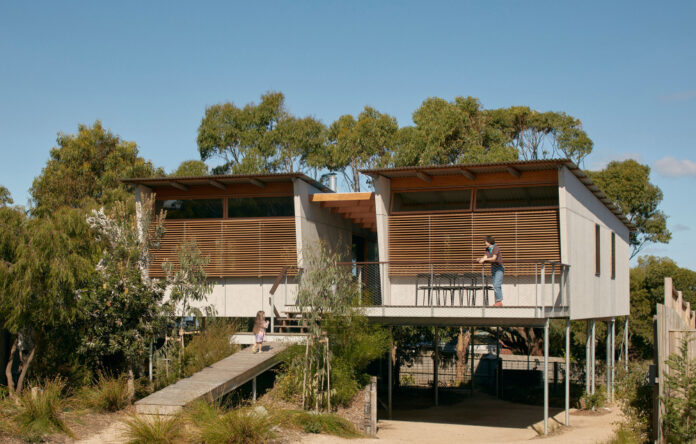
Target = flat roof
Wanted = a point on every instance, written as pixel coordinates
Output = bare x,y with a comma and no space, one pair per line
470,170
221,181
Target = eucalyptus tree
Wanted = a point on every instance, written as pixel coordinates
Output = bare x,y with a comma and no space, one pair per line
627,184
258,138
47,264
85,169
188,281
360,143
191,168
124,309
5,197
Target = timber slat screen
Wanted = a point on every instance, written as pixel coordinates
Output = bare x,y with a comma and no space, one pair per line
236,247
454,241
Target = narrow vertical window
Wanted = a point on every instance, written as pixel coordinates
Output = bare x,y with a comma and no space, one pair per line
597,255
613,255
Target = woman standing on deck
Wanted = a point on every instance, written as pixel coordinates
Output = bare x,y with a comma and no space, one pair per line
495,257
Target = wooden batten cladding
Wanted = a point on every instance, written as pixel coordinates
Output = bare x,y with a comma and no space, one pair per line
452,242
236,247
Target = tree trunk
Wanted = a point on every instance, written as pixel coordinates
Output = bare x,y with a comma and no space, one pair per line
462,343
25,367
8,368
130,384
356,178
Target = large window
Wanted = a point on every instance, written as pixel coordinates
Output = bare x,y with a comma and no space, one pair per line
598,255
260,206
517,197
435,200
191,209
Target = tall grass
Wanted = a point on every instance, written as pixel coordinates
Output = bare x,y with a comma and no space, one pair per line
211,345
109,394
242,426
327,423
154,430
37,413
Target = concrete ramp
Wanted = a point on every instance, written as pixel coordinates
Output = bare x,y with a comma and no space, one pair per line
212,382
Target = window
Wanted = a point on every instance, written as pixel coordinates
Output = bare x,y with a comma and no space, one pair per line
613,255
597,255
260,206
517,197
191,209
432,200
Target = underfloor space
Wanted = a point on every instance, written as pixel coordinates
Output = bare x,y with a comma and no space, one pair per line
484,419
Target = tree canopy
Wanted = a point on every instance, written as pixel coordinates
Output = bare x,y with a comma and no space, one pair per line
647,289
191,168
5,197
259,138
86,168
627,184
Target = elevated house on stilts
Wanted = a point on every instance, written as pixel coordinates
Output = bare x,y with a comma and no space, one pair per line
414,241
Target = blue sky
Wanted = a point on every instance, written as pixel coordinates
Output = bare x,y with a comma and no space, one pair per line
147,70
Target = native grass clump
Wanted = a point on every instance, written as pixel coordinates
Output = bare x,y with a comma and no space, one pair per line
154,430
328,370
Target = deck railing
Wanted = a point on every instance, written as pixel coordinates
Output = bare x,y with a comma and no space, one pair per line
542,285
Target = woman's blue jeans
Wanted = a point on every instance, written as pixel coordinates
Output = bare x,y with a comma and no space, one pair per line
497,272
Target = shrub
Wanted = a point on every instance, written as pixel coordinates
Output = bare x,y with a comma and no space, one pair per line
680,400
208,347
634,393
243,426
625,435
109,394
154,430
593,401
37,412
318,423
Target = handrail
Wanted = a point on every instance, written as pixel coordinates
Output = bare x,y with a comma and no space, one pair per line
511,261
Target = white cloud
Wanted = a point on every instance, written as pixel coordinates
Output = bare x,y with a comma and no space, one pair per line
671,167
681,96
681,227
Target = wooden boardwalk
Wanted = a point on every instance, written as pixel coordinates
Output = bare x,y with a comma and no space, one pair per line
212,382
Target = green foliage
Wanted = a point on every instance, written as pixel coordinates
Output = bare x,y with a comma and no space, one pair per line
680,395
327,423
241,426
259,138
359,143
46,263
647,289
154,430
191,168
124,309
209,346
188,282
109,394
634,393
85,170
37,413
625,435
5,197
627,184
593,401
445,132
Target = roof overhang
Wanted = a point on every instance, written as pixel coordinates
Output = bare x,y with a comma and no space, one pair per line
222,181
359,208
470,171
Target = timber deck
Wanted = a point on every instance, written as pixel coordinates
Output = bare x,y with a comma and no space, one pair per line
212,382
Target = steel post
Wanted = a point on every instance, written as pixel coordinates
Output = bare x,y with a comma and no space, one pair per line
546,376
567,373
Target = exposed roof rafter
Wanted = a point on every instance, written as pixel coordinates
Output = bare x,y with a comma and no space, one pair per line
514,171
257,182
424,177
179,186
468,174
217,184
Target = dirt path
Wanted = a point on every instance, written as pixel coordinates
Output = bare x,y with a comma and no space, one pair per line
112,434
482,420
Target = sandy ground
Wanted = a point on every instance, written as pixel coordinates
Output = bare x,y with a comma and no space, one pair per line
482,419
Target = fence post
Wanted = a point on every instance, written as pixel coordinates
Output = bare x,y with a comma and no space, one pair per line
436,364
373,405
